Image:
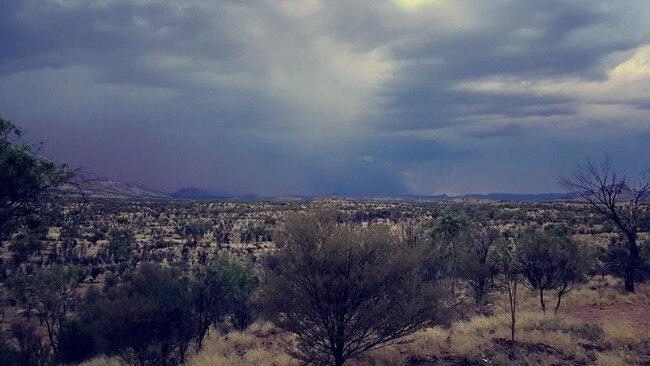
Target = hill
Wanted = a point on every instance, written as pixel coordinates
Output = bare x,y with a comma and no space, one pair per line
107,188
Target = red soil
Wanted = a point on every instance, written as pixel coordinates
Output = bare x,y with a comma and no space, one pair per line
638,315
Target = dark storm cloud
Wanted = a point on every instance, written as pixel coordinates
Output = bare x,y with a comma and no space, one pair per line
347,97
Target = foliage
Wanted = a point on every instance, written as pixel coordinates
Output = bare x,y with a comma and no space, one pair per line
153,316
26,179
194,230
120,245
224,287
23,245
255,233
614,256
52,293
147,320
551,263
344,290
478,260
77,342
510,267
27,348
449,224
445,244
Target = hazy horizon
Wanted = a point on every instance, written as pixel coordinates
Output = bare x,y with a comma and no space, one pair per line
279,97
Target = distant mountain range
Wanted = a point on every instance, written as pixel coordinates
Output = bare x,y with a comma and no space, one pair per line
201,194
108,188
524,197
195,193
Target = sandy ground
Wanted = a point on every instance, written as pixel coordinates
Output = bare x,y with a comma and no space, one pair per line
638,315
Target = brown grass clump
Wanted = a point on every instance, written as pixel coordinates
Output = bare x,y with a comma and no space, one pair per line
613,359
485,339
624,335
102,361
259,345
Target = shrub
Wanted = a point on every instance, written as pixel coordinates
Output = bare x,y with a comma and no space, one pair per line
52,292
477,260
220,289
343,290
147,320
551,263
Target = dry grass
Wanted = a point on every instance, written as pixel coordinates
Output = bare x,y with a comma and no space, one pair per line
475,339
258,345
613,359
102,361
541,339
607,290
624,335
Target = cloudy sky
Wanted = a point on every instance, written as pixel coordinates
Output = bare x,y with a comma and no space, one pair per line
353,97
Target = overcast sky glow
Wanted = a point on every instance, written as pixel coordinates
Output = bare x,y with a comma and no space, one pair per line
350,97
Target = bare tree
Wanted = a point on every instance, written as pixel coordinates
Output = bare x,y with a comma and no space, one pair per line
616,199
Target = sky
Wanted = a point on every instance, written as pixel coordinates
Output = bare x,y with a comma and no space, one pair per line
347,97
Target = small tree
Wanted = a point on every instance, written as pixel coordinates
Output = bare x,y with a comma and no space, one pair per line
617,200
511,271
194,230
147,320
478,260
120,245
224,287
31,350
445,236
344,290
24,245
575,260
538,254
52,293
551,262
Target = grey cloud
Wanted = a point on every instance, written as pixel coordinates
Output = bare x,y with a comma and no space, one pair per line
309,96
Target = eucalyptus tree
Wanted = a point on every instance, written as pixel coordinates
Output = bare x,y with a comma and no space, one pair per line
27,180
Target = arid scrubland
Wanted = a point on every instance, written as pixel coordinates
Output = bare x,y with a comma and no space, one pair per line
319,282
600,326
575,336
597,323
168,231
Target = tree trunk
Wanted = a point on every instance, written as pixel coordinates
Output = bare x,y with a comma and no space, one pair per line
338,361
513,322
629,279
559,299
479,290
631,262
512,296
339,341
